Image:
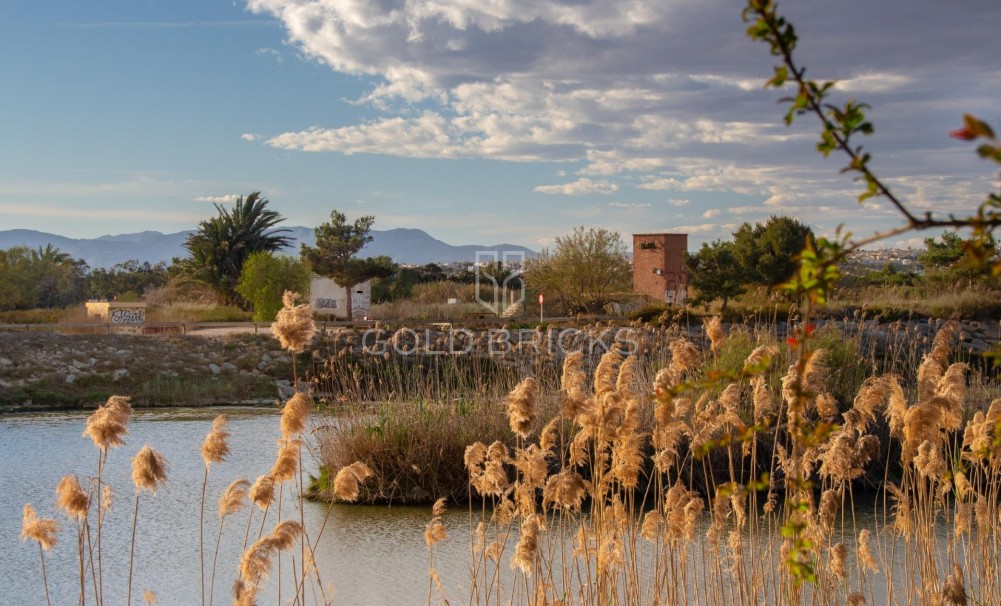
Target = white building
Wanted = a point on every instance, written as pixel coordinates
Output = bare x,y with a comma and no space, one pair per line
329,298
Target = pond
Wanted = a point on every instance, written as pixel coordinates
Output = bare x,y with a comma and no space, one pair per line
368,554
371,555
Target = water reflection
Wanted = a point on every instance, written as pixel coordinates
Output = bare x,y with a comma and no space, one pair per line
369,555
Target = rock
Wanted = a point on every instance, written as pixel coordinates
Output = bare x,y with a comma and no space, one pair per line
119,373
229,367
215,369
70,378
78,364
263,366
977,346
285,389
266,358
6,362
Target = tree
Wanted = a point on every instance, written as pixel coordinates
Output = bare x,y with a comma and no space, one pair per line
841,126
43,277
127,279
223,243
334,255
582,271
768,253
266,277
715,273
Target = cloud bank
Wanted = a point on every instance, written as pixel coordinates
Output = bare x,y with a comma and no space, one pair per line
660,95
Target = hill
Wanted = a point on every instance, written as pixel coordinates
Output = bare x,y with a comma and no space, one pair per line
412,246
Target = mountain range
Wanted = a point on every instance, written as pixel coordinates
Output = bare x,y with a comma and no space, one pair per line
410,246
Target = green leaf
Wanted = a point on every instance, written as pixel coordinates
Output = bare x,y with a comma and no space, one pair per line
781,75
976,126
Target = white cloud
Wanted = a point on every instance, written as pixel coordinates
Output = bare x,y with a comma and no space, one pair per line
628,205
712,213
678,202
226,199
874,82
653,94
580,187
250,136
272,54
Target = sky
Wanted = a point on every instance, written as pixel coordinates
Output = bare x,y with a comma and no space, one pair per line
479,121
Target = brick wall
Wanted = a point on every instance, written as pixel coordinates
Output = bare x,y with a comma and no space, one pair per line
659,266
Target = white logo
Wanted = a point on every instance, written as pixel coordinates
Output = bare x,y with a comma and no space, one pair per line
508,267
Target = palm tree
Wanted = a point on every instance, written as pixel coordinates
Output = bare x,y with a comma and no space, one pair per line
50,254
222,244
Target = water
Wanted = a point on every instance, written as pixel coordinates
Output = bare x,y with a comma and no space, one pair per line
369,555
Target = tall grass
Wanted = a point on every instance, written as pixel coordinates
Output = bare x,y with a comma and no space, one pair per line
288,547
724,489
741,470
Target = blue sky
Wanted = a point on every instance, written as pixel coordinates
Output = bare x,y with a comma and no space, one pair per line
479,122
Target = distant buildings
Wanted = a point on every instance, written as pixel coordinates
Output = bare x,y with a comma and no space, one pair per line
659,267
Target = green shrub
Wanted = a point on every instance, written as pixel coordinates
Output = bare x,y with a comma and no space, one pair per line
226,313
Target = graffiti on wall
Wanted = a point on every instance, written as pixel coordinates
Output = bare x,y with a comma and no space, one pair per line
127,316
325,304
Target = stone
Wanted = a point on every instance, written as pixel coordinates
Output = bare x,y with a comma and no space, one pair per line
6,362
215,369
285,389
119,373
977,346
229,367
70,378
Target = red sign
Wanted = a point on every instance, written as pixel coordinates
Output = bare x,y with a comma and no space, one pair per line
541,298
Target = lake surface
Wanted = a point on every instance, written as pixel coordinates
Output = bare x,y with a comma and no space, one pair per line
369,555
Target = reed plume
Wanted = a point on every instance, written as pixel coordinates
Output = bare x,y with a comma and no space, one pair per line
287,463
836,564
215,448
527,550
149,470
348,479
106,426
435,531
714,330
71,497
954,590
234,498
521,407
607,372
294,324
41,530
284,534
866,559
295,413
565,489
262,492
935,361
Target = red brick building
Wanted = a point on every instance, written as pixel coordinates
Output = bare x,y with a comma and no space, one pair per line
659,266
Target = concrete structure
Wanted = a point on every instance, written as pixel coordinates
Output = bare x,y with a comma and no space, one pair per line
659,267
114,312
329,298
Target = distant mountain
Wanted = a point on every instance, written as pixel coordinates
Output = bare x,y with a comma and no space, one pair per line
402,245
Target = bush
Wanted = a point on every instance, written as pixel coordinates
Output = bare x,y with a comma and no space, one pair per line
225,313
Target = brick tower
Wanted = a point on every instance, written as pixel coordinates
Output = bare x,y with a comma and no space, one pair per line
659,267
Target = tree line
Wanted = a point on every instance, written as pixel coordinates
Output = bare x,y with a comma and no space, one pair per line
236,255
